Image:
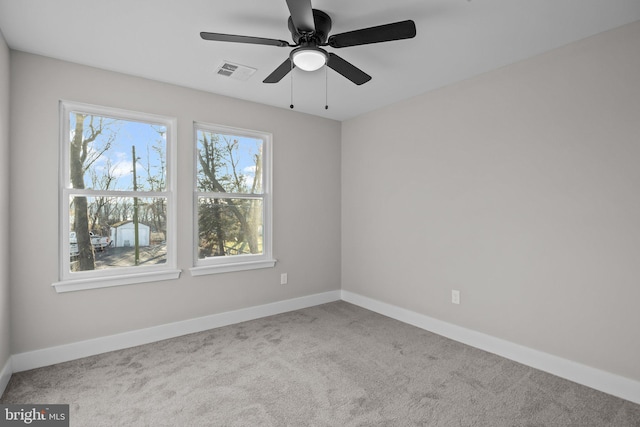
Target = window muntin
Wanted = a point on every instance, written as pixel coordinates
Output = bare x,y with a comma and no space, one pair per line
232,197
115,178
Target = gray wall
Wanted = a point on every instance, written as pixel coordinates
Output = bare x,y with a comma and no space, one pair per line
306,207
520,188
5,350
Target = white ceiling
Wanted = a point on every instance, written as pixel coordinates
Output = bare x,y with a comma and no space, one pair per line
159,39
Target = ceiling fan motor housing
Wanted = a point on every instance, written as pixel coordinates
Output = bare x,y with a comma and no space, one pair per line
322,23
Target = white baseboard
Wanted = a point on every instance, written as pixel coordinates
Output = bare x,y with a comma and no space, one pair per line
591,377
5,375
64,353
606,382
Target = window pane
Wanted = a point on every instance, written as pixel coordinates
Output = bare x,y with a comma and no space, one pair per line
109,237
229,227
102,152
228,163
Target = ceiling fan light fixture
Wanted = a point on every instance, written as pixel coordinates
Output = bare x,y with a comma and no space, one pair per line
309,58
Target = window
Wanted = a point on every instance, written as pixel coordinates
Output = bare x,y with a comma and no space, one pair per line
117,208
232,200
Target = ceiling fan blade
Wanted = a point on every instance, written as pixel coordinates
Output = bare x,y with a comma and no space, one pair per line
282,70
381,33
347,69
302,15
243,39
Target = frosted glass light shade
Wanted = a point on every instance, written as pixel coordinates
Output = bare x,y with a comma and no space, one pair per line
309,59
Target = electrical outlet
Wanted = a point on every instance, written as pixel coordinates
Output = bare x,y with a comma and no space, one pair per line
283,279
455,296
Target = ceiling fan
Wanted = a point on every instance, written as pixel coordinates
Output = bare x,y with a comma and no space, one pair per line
310,30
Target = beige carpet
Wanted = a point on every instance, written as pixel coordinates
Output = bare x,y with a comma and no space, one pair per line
330,365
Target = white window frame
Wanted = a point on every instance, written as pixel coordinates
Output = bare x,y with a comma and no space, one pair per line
82,280
225,264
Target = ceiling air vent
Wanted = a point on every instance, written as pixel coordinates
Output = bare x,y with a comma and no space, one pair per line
235,71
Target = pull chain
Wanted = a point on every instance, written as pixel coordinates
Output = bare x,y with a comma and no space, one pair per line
291,105
326,88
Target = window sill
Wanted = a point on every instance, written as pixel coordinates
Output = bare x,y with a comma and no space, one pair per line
227,268
109,281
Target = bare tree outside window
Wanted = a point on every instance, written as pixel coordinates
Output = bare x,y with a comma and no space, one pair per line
229,182
103,192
